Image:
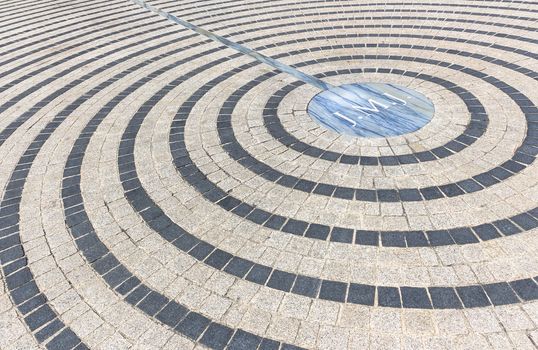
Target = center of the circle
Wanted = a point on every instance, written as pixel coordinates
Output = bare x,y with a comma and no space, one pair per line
371,109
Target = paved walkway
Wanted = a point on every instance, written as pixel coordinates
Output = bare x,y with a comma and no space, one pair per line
162,190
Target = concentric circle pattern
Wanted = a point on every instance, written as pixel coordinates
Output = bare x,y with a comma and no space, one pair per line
166,185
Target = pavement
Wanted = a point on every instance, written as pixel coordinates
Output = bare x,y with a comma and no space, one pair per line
163,190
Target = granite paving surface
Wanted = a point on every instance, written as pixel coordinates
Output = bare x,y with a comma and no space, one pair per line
165,185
